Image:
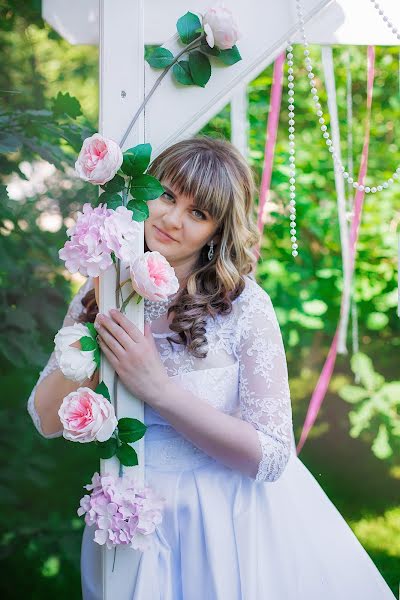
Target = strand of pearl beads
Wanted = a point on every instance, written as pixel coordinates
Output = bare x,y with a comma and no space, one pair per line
386,19
314,92
292,160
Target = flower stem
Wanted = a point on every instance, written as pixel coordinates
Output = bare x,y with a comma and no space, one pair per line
195,44
115,552
131,295
124,282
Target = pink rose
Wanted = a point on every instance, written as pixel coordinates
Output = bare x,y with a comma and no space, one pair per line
87,416
220,28
98,160
153,277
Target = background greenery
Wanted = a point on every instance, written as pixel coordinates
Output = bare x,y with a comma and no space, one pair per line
41,480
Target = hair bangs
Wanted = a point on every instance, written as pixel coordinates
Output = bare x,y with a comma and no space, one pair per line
200,176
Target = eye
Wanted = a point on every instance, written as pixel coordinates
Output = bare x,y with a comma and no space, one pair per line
202,215
167,195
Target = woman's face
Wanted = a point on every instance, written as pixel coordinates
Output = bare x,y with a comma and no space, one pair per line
189,227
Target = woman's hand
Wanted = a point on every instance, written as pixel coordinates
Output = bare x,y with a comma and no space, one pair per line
132,355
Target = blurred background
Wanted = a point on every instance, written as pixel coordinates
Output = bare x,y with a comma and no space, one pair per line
48,105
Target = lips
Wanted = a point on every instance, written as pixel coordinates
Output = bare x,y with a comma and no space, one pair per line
161,231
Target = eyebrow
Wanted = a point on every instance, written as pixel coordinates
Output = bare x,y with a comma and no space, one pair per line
169,191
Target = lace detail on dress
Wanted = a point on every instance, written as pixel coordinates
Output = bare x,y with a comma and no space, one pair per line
74,310
263,382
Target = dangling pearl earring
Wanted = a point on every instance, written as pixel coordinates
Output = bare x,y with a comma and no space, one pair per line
211,250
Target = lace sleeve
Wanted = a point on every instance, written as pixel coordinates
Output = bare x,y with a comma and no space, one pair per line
74,310
263,382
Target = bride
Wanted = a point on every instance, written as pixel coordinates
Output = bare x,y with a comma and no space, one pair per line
244,519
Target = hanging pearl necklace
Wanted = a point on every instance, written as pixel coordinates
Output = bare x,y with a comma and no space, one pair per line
386,19
292,160
324,129
155,308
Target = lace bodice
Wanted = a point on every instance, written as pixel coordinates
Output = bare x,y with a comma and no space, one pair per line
244,373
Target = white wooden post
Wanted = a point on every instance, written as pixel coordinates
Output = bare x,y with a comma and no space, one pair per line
121,93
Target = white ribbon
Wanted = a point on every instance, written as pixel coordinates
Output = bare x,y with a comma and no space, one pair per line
327,62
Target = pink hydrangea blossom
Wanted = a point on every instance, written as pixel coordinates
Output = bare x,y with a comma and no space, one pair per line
120,233
220,28
153,277
87,416
99,159
122,511
86,252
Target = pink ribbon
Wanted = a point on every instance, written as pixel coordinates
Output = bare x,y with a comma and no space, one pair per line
326,374
270,141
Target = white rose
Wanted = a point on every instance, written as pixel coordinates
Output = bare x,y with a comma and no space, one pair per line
220,28
75,364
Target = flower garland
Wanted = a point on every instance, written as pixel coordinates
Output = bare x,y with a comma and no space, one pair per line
102,237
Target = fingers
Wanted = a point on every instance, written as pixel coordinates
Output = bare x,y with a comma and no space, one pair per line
110,356
114,335
131,330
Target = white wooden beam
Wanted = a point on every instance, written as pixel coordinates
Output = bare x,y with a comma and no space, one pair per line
349,22
121,93
186,109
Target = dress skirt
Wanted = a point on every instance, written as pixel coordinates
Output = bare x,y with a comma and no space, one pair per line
225,536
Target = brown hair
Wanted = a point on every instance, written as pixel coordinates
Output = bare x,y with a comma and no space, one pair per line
214,173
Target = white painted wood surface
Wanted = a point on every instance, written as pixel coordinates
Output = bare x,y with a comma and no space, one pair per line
177,111
121,44
343,22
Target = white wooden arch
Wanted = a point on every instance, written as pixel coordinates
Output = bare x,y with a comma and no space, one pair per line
122,28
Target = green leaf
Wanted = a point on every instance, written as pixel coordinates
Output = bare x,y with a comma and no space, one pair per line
110,199
189,27
381,446
88,344
146,187
103,390
200,68
92,330
140,210
127,455
160,58
353,393
130,430
377,321
116,184
230,57
208,50
182,74
65,104
107,448
9,143
96,357
136,160
361,365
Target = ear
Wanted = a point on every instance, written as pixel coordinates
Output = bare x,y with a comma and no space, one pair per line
216,239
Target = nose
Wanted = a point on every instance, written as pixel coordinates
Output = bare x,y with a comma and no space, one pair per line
173,218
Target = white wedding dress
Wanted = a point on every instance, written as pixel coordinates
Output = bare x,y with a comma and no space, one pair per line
224,535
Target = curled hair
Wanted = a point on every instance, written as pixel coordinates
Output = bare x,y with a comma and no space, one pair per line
216,176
